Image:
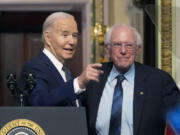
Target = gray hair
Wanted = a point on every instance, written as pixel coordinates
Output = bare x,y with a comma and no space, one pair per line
51,19
109,33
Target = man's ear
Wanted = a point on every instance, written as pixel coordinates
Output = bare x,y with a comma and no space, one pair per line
107,50
47,38
138,49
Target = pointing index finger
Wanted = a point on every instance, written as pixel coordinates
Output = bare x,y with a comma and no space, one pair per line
97,65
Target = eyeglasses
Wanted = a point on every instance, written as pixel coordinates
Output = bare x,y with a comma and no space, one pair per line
128,46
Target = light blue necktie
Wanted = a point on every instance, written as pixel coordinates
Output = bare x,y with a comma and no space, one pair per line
116,111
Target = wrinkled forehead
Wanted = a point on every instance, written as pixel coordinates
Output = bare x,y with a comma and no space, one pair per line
123,33
67,24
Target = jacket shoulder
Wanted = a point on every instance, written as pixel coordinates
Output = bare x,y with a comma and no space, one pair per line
151,70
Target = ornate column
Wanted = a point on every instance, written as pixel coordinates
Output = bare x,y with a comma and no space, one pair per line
166,35
98,31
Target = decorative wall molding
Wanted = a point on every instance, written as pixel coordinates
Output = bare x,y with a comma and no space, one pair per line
166,35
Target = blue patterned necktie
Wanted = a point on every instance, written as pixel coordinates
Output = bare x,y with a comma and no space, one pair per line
67,73
116,111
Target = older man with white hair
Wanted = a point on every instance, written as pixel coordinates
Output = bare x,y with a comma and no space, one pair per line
55,85
130,98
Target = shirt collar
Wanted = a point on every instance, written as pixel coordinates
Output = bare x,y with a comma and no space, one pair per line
53,59
129,75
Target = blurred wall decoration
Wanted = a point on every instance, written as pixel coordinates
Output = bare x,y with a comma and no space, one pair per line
98,31
166,35
168,40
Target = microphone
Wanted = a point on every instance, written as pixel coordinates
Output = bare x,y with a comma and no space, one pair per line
30,82
12,83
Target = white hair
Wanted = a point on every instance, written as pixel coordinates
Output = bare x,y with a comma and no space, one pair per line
51,19
109,33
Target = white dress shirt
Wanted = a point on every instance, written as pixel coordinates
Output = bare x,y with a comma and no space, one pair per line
104,111
59,66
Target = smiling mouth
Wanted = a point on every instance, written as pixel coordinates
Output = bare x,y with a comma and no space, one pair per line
123,58
68,49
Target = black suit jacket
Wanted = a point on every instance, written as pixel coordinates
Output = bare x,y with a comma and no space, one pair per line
154,92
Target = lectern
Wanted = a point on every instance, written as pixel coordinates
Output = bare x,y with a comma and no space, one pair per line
43,121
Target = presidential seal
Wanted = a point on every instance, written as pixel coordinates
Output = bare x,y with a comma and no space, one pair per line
21,127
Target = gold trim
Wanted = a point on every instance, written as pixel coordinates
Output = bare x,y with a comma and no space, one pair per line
166,35
159,34
23,123
98,31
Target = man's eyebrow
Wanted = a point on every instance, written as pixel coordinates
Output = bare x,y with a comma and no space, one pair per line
65,31
68,32
76,32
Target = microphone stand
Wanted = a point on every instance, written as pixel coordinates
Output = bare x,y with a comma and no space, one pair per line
17,92
21,98
12,85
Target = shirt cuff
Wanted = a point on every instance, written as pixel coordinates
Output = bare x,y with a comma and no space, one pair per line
77,89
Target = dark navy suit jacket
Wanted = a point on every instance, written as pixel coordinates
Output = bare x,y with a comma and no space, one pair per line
154,92
50,89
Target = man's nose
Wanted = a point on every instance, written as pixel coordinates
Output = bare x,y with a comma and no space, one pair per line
123,49
71,40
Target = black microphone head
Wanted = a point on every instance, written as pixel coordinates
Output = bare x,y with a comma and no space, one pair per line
30,81
11,83
11,76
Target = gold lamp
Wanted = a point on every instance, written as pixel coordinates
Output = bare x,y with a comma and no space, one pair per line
98,32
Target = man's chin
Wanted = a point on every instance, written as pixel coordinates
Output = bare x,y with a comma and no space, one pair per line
69,57
123,65
123,68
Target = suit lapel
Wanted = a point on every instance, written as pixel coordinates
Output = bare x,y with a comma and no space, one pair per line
51,67
139,96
